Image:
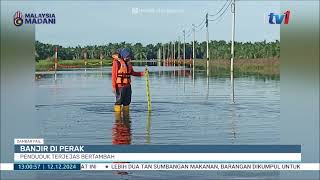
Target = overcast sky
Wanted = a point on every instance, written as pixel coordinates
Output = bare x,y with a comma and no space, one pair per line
101,22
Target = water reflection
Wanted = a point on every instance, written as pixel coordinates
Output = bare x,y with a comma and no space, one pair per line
121,133
184,80
233,125
121,130
232,87
207,94
101,72
148,129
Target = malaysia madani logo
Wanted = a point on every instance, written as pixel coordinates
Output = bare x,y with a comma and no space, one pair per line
18,18
33,18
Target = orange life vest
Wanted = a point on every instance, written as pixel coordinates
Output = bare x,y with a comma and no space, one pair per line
123,77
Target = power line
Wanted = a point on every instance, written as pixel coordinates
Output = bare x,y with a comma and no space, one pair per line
196,26
220,9
225,10
189,33
201,28
202,24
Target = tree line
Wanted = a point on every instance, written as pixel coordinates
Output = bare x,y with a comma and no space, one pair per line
218,50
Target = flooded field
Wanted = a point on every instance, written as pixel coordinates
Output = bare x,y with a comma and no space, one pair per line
77,108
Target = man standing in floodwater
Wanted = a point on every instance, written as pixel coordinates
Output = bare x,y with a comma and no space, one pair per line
122,70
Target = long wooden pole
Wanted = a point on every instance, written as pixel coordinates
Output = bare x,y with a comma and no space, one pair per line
146,75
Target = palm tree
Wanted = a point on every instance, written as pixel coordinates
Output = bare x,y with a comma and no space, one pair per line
218,50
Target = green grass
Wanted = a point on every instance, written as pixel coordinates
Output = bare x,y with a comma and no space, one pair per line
268,67
242,66
45,65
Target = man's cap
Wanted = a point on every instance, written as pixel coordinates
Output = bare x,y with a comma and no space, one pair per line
124,53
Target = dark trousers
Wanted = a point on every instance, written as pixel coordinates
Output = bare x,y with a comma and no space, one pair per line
123,95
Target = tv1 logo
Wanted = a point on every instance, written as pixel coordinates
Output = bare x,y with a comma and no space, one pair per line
278,18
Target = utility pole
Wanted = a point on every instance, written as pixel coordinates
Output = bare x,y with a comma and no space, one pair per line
85,56
168,56
159,56
169,43
207,22
184,48
174,54
163,54
179,56
174,49
55,58
233,8
171,53
193,48
55,63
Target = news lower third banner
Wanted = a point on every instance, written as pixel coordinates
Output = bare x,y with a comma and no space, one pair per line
33,154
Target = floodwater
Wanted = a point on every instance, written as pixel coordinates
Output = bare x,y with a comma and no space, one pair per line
77,108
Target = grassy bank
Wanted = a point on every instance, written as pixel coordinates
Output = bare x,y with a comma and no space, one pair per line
217,67
242,66
45,65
